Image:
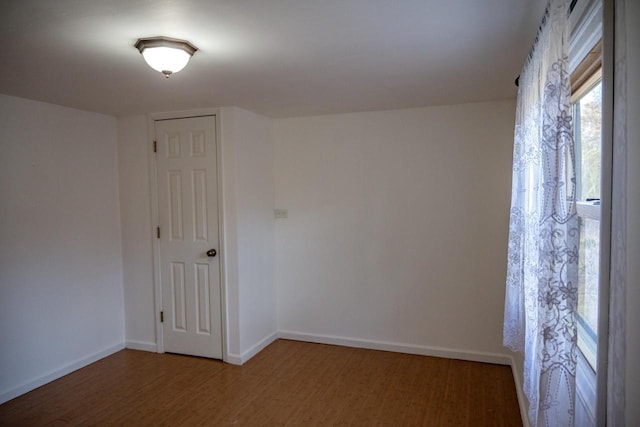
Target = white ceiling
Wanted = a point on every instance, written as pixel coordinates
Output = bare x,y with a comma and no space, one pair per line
280,58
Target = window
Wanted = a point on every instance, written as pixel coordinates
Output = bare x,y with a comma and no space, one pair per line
585,64
587,114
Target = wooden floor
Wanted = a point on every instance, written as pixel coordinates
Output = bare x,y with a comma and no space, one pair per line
289,383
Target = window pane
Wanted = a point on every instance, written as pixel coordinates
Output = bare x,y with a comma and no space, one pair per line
590,119
589,263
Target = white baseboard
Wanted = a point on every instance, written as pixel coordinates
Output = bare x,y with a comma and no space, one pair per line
234,359
241,359
522,400
473,356
58,373
141,345
258,347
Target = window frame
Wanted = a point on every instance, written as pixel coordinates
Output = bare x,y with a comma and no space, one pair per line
588,74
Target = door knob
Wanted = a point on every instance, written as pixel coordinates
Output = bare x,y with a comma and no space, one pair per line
211,252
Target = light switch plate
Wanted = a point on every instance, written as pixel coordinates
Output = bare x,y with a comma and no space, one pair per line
281,213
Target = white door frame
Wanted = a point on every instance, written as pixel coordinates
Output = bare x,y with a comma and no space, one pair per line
155,243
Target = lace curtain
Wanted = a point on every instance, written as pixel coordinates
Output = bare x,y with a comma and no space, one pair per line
541,291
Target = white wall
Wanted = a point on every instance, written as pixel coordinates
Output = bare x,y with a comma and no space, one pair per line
248,194
61,297
247,246
255,225
135,213
397,227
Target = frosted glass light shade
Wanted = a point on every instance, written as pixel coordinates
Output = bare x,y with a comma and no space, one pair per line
166,59
166,55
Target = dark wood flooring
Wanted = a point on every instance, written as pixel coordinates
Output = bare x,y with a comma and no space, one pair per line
288,384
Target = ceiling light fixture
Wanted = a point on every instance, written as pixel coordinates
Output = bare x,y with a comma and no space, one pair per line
165,54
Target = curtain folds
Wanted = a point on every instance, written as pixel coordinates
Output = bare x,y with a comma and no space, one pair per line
541,290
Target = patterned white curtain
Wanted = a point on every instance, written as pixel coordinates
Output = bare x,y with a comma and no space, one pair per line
541,291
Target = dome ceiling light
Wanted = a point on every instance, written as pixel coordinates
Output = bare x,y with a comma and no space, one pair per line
165,54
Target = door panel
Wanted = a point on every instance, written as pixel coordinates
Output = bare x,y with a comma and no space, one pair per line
188,216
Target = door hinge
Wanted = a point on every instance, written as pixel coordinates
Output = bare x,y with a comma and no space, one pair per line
155,147
158,232
162,317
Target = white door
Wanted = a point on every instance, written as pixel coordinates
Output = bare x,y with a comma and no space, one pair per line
189,240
